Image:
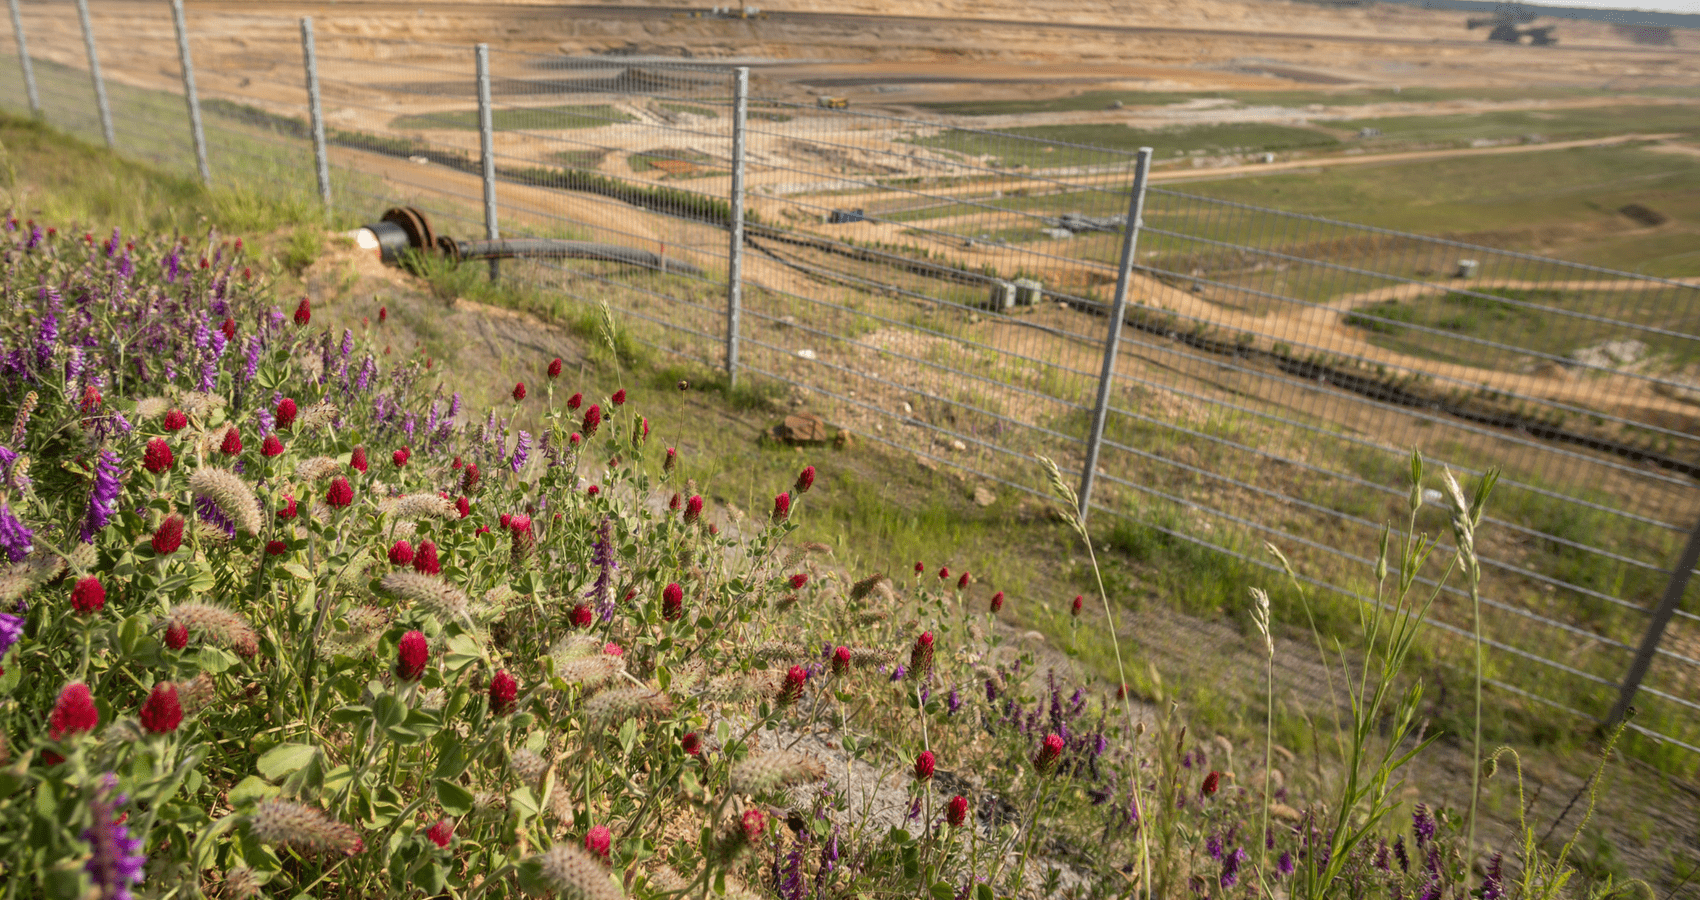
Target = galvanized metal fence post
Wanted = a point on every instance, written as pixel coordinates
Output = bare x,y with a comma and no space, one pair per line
311,60
94,74
735,255
189,96
487,147
1662,614
1118,316
24,59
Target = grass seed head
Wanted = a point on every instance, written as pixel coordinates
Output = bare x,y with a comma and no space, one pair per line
616,706
231,495
218,625
434,595
300,826
576,874
764,772
316,468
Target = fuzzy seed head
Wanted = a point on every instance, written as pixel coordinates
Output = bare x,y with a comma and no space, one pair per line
577,874
616,706
300,826
231,495
316,467
763,772
528,766
434,595
218,625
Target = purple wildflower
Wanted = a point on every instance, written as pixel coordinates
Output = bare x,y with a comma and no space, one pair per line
454,405
953,703
522,449
347,342
103,497
1493,886
115,859
1399,853
1284,865
1213,846
1422,824
602,557
15,537
11,628
212,515
363,377
34,238
898,673
46,339
1231,867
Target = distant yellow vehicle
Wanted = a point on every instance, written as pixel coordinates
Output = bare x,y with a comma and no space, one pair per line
832,102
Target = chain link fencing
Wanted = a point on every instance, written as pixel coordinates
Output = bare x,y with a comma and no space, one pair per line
948,293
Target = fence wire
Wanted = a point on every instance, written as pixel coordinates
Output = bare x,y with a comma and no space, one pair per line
943,292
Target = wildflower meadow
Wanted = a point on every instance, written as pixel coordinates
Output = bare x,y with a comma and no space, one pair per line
282,616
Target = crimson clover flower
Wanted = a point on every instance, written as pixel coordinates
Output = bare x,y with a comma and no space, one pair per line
503,690
285,414
88,596
997,602
555,367
441,833
175,420
74,712
575,401
957,812
169,536
401,553
841,660
519,391
271,446
340,494
599,840
672,602
232,444
592,421
162,712
157,457
924,766
303,313
1049,752
781,508
425,559
412,653
805,480
357,460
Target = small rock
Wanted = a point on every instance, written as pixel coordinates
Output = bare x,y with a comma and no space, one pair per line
984,497
802,428
927,462
805,354
907,409
786,321
958,446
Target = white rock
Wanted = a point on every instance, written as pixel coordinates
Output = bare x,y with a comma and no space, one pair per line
805,354
958,446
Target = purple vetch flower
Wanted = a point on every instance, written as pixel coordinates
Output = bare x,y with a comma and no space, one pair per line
914,811
454,405
363,375
103,496
1422,824
347,342
251,366
953,703
113,245
34,238
1493,884
602,557
46,340
11,628
173,266
991,690
275,319
209,376
1284,865
1381,862
898,673
1399,853
115,859
1231,867
209,513
1213,846
409,422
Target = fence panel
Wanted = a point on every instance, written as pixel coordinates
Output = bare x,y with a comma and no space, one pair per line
944,292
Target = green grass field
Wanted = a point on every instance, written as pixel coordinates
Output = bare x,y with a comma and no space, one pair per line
542,118
1120,139
1102,99
1519,325
1553,125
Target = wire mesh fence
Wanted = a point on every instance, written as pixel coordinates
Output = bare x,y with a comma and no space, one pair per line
945,292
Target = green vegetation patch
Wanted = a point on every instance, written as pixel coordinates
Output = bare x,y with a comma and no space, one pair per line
542,118
1526,319
1089,100
1042,146
689,109
1556,124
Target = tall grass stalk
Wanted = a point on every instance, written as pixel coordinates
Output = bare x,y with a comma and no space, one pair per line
1390,627
1071,512
1466,515
1260,615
